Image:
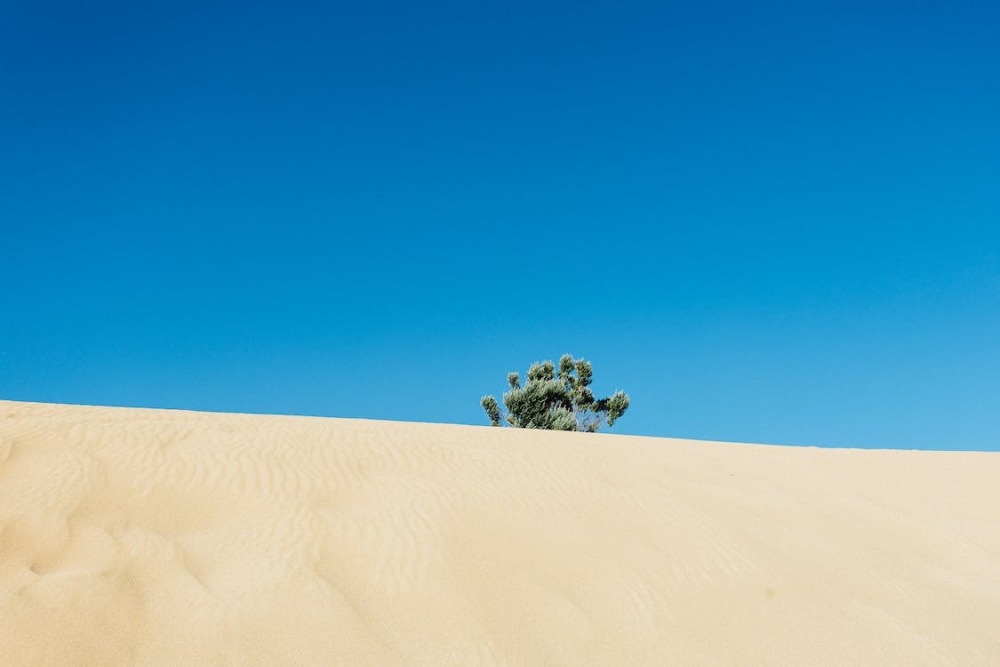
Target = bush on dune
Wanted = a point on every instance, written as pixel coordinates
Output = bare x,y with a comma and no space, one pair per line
556,403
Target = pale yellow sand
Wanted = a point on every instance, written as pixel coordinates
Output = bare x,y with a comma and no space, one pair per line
155,537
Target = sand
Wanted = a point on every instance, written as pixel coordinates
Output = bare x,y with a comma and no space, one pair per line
158,537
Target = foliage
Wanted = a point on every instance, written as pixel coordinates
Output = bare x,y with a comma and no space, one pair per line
556,403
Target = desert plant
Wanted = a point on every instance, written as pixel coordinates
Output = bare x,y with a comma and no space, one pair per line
556,403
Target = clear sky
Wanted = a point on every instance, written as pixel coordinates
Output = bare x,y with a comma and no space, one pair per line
768,222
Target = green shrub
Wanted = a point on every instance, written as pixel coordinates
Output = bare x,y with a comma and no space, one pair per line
556,403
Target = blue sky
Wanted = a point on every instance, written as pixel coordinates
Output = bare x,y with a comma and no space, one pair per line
769,222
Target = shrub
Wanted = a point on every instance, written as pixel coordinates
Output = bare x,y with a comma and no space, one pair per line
556,403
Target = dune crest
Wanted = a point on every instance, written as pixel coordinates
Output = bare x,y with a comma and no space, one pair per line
157,537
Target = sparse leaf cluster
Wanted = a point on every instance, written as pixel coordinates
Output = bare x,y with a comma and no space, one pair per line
557,403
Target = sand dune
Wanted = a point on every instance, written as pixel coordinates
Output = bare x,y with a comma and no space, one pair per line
157,537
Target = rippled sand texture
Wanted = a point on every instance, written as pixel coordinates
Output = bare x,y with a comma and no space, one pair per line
160,537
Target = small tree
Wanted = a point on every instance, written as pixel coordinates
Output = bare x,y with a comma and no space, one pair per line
563,403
